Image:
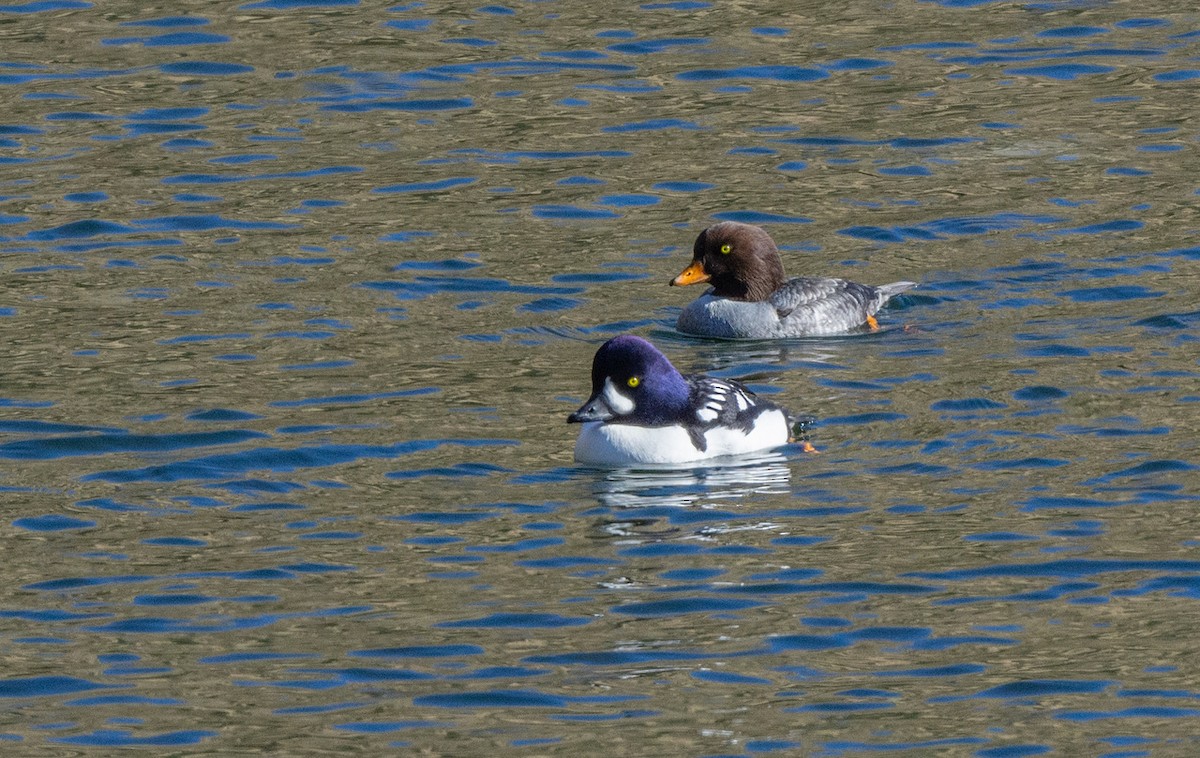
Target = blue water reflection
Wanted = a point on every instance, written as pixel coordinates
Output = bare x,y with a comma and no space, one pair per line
299,297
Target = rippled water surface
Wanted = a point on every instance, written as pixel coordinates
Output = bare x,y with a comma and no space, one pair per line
298,294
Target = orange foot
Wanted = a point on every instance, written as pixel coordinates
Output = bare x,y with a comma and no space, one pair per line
807,447
872,324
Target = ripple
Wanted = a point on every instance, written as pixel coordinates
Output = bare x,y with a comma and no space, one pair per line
682,186
1128,430
383,727
223,415
760,217
1073,31
550,304
615,657
173,39
949,670
1017,464
169,22
1043,688
125,738
204,68
493,699
424,286
293,4
1105,227
680,606
858,64
43,6
1056,351
410,24
1169,321
1182,75
432,186
52,523
1141,712
1111,294
105,444
517,621
967,405
776,72
863,418
216,467
571,212
415,105
1062,71
420,651
905,171
232,178
47,686
952,226
1149,468
1073,567
1040,394
630,200
651,46
515,156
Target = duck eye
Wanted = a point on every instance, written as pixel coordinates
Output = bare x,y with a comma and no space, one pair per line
633,381
726,248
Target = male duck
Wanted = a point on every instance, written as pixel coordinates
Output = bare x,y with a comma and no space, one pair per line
751,299
642,410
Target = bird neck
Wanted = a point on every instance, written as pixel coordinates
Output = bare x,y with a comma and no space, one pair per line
759,285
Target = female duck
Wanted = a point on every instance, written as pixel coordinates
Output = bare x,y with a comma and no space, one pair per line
751,298
642,410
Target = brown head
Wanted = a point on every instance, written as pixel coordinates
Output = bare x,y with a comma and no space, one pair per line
739,260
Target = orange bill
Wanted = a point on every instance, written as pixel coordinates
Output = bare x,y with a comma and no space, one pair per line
693,274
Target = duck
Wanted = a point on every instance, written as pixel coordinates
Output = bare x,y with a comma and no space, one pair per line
750,298
644,411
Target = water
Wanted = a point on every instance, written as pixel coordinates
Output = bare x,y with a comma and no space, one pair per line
298,296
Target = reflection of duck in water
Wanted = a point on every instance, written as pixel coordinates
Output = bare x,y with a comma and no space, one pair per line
709,485
752,299
642,410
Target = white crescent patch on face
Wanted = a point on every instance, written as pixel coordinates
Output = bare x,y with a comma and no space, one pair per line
618,403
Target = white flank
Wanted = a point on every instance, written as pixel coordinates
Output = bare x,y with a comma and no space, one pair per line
613,444
770,430
618,403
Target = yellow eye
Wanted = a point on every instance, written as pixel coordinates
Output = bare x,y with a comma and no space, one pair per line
726,248
633,381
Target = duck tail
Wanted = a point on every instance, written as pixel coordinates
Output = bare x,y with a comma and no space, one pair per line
895,288
886,292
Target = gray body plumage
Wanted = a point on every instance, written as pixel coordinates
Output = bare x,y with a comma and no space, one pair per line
802,307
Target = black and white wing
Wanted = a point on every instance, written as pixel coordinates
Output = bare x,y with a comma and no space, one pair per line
719,402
